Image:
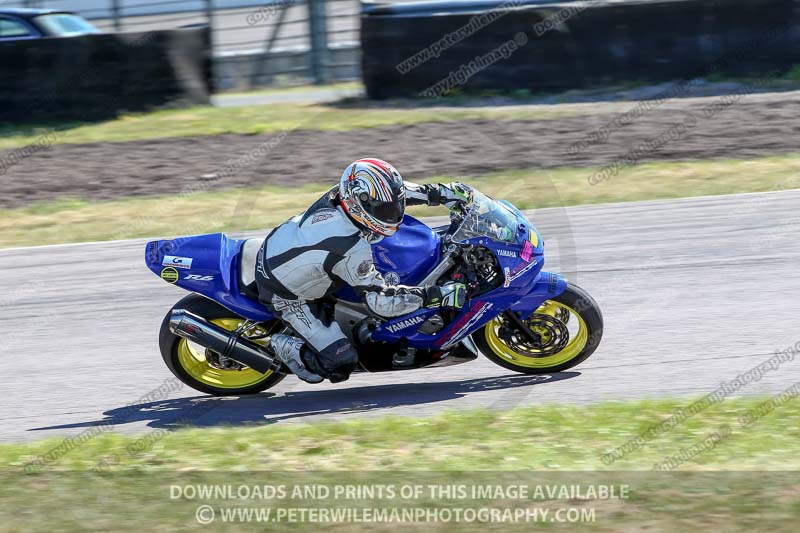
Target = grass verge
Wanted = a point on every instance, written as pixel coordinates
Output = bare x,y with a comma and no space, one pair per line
345,115
234,210
128,481
550,437
255,120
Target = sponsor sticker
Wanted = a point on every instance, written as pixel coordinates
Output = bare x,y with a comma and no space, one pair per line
527,251
170,275
519,271
465,324
177,262
506,253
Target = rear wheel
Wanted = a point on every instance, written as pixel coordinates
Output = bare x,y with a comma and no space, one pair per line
567,329
206,371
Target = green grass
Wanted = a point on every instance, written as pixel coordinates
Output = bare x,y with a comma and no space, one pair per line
102,483
255,120
552,437
79,221
279,117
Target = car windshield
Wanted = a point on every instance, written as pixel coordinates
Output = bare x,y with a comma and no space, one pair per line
64,24
487,218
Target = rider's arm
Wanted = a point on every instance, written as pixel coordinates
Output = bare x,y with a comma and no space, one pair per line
433,194
358,270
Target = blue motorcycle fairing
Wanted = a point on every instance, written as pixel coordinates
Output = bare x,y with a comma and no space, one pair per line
547,285
525,288
405,258
476,314
208,265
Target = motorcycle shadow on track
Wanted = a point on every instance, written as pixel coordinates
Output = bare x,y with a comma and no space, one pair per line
269,408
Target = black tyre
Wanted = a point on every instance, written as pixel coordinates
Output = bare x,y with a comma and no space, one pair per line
199,368
569,328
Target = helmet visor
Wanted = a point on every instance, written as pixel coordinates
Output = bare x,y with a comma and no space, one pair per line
390,213
386,212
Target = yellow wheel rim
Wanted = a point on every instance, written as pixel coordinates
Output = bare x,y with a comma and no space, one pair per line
192,359
574,346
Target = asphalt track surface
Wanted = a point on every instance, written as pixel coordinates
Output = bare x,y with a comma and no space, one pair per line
694,292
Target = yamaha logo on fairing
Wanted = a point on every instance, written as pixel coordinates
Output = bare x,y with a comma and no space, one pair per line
507,253
394,328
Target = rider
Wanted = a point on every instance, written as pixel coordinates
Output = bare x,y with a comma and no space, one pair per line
311,255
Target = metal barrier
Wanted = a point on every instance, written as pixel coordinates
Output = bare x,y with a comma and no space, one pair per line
255,43
95,77
460,46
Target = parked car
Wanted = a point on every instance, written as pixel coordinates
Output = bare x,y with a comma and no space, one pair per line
17,24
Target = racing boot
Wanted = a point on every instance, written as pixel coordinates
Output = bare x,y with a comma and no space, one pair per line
288,349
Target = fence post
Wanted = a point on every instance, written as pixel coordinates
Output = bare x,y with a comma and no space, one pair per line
209,5
258,67
116,9
319,40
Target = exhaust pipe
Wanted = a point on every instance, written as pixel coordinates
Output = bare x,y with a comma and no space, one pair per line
199,330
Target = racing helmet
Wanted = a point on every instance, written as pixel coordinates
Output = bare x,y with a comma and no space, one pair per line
373,196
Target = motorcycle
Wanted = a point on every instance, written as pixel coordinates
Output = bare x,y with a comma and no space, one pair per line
216,340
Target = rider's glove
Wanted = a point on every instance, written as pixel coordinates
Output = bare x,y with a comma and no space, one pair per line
451,294
451,195
455,194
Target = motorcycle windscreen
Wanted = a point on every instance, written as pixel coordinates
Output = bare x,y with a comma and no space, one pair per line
405,258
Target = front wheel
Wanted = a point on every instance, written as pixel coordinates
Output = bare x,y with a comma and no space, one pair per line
207,371
567,329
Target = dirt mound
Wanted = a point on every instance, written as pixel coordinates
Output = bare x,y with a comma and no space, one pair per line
678,129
